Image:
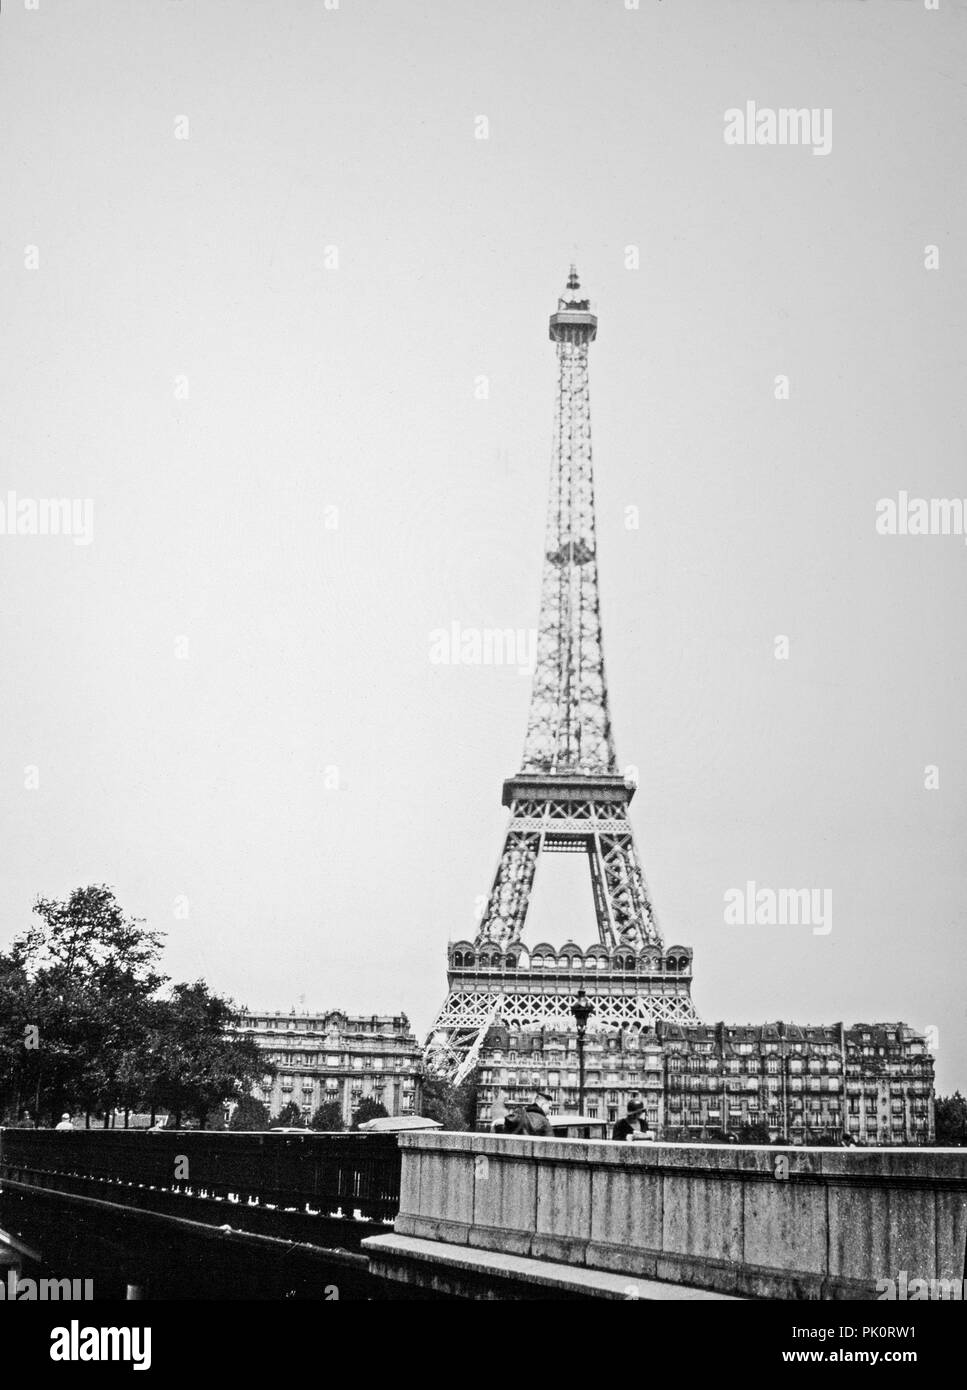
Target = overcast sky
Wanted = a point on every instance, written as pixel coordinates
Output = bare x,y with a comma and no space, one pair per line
255,262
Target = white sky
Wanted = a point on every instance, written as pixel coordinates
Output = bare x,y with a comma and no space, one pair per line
312,388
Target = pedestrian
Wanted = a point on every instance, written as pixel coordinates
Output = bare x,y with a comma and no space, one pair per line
26,1121
532,1119
633,1123
65,1122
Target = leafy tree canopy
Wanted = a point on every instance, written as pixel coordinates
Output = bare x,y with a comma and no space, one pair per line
289,1117
368,1109
455,1107
950,1118
328,1116
83,1029
249,1114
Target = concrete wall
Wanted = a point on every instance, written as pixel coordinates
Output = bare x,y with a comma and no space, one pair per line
720,1218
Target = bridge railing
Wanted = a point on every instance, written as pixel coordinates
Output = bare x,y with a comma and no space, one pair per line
752,1222
327,1173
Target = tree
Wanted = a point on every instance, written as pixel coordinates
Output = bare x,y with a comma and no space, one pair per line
289,1117
950,1119
455,1107
249,1114
753,1133
87,975
16,1051
197,1060
368,1109
82,1028
328,1116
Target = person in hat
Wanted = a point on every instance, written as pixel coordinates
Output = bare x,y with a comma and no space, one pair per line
633,1123
65,1122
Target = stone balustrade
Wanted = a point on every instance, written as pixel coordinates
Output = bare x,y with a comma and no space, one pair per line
748,1222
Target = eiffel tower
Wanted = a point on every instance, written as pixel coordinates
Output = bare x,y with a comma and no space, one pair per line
569,796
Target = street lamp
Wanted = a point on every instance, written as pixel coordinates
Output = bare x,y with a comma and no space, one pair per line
581,1010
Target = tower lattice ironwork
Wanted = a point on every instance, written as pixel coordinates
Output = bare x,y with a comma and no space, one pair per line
568,795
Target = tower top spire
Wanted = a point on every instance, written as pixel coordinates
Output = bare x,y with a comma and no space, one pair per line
573,320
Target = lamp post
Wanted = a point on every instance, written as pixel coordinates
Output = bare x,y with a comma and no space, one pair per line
581,1010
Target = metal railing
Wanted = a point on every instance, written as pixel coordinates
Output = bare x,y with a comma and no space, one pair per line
325,1173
